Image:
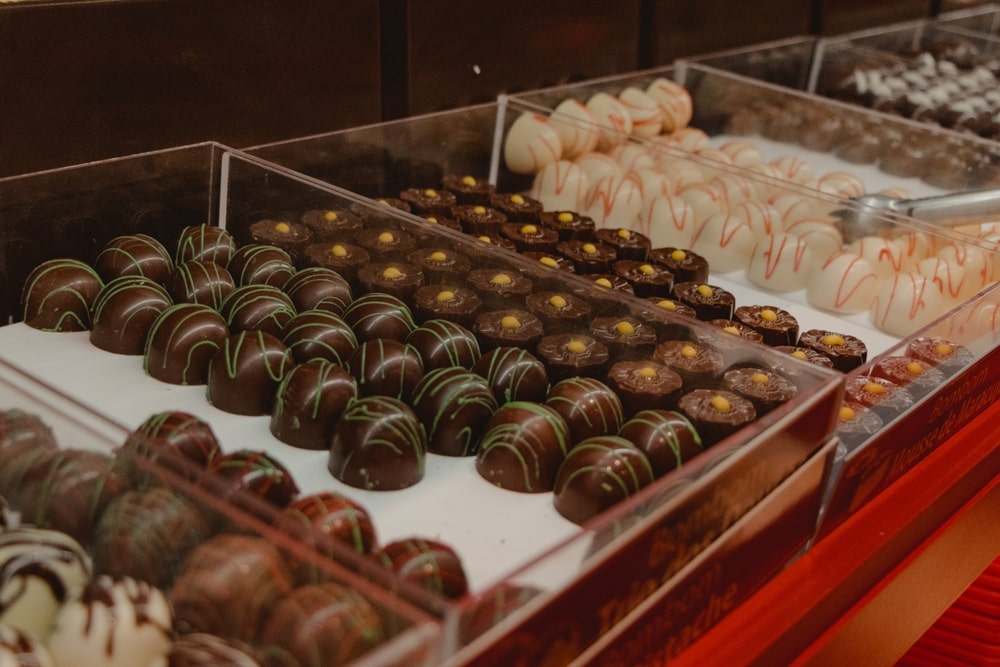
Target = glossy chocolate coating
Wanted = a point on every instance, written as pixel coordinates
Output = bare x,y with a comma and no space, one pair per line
857,423
211,593
400,279
292,237
204,243
803,354
378,315
647,279
386,245
58,295
181,343
559,311
588,406
176,440
573,355
643,385
551,260
244,374
256,474
430,564
454,405
697,364
686,266
588,256
124,312
429,200
883,396
440,265
378,445
319,334
147,535
628,244
341,257
442,343
469,189
666,437
709,302
319,288
258,308
946,356
711,422
609,281
500,287
199,649
261,264
528,236
330,224
309,401
479,219
321,624
386,367
508,328
331,516
206,283
134,255
597,474
775,325
440,301
514,374
766,389
918,377
522,447
845,351
627,337
517,207
569,225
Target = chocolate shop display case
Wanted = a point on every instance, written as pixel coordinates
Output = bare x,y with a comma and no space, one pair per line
520,557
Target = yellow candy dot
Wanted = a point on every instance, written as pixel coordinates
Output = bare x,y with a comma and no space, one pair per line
529,230
731,330
517,199
648,372
647,269
914,368
689,352
705,290
589,248
721,404
282,228
576,347
760,378
485,239
438,256
510,322
603,282
799,354
386,237
384,202
339,251
549,261
625,328
468,180
330,216
501,279
678,255
847,413
874,388
667,304
768,315
479,210
624,234
431,193
431,218
833,340
557,301
392,273
943,349
565,216
445,295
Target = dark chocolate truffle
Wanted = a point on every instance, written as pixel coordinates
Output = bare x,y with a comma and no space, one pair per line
514,374
204,243
559,312
454,405
627,337
124,312
766,389
628,244
588,406
523,446
400,279
569,225
597,474
259,264
845,351
439,301
134,255
666,437
319,334
508,328
378,445
573,355
386,367
206,283
319,288
775,325
329,517
716,414
258,474
697,364
687,266
257,308
199,649
309,402
244,374
643,385
58,295
709,302
443,343
379,315
181,343
430,564
176,440
292,237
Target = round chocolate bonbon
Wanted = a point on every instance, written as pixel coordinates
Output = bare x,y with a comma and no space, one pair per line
589,407
207,283
134,255
319,334
643,385
205,243
200,649
328,515
598,473
430,564
244,374
261,264
255,473
58,295
319,288
257,308
454,405
522,447
379,315
173,439
386,367
666,437
181,343
514,374
309,401
123,313
442,344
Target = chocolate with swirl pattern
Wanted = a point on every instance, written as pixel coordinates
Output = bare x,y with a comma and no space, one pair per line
514,374
172,439
205,243
244,374
181,343
454,405
124,312
58,295
319,288
207,283
666,437
430,564
22,649
134,255
523,446
310,399
329,515
589,407
598,473
442,343
261,264
379,315
257,307
319,334
386,367
199,649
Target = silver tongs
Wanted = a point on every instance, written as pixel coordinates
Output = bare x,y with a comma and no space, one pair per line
875,214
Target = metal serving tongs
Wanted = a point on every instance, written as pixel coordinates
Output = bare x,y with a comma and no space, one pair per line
872,214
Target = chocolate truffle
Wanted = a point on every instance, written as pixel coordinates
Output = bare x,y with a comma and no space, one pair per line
522,447
309,401
257,474
178,441
551,261
716,414
319,288
399,279
883,396
147,535
669,326
766,389
495,241
918,377
559,312
199,649
319,334
643,385
517,207
124,312
386,367
804,354
244,374
845,351
229,586
181,343
386,245
134,255
469,189
500,287
378,445
514,374
666,437
508,328
732,343
321,624
204,243
697,364
529,236
379,315
588,256
775,325
341,257
58,295
454,405
709,302
330,224
440,265
610,281
443,343
292,237
628,244
856,424
573,355
569,225
259,264
206,283
598,473
687,266
588,406
478,219
429,200
441,301
946,356
646,279
332,517
627,337
257,308
430,564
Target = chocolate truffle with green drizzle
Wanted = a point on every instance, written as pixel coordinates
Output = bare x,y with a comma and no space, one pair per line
523,446
598,473
454,405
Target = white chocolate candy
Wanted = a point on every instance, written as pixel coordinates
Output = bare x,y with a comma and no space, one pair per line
780,263
715,155
794,169
598,166
793,207
949,278
531,143
675,102
736,189
647,117
42,570
975,322
823,238
560,186
841,184
978,265
691,139
742,153
654,184
614,201
612,118
705,200
116,623
885,256
914,246
668,222
762,219
725,242
576,127
681,173
845,283
905,303
632,157
20,649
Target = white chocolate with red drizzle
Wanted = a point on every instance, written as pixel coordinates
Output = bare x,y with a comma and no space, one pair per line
949,279
674,101
668,222
654,184
725,241
576,128
841,184
20,649
794,169
905,303
115,623
691,139
845,283
598,165
978,265
614,201
612,118
822,238
647,116
761,218
705,199
780,263
742,153
632,157
885,256
560,186
681,173
531,143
